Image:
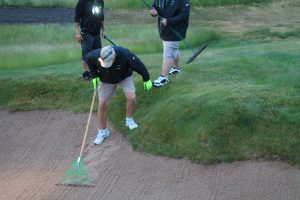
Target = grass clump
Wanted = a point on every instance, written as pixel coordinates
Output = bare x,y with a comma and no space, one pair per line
45,92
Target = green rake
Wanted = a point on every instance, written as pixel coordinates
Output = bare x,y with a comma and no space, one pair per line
77,174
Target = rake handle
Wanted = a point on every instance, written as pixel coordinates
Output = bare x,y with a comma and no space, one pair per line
105,37
87,125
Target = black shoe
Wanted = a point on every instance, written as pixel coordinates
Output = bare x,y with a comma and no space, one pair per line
86,76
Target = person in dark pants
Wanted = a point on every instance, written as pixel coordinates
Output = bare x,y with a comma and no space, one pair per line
89,21
113,67
173,22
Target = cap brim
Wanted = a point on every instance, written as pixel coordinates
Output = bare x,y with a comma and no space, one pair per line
107,64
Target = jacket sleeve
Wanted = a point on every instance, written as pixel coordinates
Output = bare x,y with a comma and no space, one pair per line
136,65
91,61
102,11
154,4
79,11
184,12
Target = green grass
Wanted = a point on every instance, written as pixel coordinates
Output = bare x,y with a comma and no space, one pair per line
146,39
238,100
38,3
231,104
130,3
39,45
42,45
266,33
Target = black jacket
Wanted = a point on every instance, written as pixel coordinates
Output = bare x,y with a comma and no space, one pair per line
89,22
177,13
124,65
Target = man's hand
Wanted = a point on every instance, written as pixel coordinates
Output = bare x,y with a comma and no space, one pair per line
77,32
103,34
164,22
78,37
153,12
95,82
148,85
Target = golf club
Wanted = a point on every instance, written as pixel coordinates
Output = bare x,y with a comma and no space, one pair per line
196,53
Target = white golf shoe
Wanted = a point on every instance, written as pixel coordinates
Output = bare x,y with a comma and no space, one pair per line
130,123
174,70
101,136
160,81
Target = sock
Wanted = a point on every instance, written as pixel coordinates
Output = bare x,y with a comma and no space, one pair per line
99,130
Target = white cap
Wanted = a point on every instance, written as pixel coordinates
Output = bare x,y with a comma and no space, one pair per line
107,56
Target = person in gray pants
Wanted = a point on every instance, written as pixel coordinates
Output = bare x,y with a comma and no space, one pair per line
173,19
113,67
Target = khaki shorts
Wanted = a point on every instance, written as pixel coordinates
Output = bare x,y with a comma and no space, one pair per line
106,90
171,50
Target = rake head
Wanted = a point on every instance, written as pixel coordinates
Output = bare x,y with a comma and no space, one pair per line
77,175
196,53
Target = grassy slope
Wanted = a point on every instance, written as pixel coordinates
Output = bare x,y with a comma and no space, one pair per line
39,45
222,108
238,100
42,45
232,104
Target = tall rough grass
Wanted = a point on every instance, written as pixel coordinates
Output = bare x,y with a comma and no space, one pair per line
232,103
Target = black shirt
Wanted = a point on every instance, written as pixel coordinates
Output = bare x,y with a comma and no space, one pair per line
123,66
89,14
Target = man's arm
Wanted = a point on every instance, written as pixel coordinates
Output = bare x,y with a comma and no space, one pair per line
155,4
138,66
183,13
153,11
103,20
103,28
78,14
92,61
77,32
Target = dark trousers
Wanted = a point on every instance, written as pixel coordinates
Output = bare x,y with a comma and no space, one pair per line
89,43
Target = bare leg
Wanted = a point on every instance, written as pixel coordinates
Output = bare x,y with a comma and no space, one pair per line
166,67
102,114
131,103
176,62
